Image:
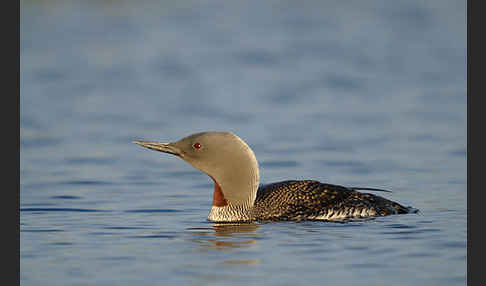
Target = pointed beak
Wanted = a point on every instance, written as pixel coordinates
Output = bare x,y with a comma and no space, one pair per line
161,147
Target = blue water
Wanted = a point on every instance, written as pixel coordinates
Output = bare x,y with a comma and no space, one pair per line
356,93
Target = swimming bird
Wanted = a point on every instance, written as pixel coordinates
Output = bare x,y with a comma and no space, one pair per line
239,197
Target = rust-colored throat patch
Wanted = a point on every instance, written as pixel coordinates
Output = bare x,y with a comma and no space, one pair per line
218,196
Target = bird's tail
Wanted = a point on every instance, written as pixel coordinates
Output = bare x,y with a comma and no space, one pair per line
369,189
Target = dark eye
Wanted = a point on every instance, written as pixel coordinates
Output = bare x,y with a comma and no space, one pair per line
196,145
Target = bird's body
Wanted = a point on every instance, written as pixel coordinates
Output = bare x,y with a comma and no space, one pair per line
309,200
237,196
312,200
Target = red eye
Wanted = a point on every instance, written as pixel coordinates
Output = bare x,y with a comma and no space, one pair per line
197,145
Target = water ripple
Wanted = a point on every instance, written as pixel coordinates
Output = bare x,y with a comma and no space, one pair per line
283,164
153,211
61,210
85,182
65,197
41,230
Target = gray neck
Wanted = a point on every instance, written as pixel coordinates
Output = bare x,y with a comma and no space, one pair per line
239,183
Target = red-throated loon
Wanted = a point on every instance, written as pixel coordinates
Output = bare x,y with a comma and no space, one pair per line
237,197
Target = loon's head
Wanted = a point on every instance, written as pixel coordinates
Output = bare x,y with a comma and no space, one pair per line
225,157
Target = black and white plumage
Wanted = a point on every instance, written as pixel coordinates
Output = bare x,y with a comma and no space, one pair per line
313,200
238,197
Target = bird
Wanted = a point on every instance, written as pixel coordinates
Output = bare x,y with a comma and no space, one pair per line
239,197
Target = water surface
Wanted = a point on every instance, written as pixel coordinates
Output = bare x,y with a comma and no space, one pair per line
356,93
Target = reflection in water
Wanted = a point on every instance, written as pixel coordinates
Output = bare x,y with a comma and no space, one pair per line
242,261
226,237
229,229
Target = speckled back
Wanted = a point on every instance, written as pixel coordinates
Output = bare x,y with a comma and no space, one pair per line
301,200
